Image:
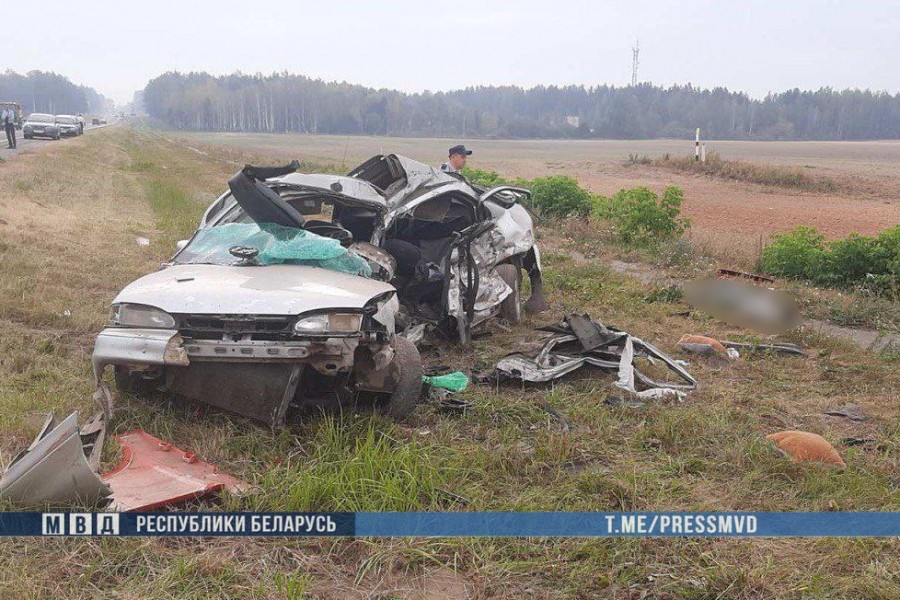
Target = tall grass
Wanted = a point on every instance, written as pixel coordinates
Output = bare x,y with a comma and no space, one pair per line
748,172
352,465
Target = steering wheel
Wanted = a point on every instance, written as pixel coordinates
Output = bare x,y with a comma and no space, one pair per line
243,252
329,230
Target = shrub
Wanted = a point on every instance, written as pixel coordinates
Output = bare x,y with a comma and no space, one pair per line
482,177
795,254
559,196
850,259
870,263
639,216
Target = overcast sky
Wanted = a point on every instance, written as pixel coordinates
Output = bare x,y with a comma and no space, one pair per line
413,45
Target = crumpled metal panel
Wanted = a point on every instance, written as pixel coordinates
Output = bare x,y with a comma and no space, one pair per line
122,346
153,474
54,470
564,352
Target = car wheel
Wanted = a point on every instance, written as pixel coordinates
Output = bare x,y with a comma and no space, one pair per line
408,392
135,383
27,137
511,307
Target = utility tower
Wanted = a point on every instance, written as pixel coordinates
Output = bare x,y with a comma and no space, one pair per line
635,62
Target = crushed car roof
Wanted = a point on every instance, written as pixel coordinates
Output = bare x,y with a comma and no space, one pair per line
334,184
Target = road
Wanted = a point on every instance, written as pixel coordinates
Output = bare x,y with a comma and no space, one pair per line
23,145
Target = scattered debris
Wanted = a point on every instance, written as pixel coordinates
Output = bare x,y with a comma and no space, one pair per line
850,411
444,398
701,344
617,400
733,274
58,469
744,304
154,474
803,446
142,241
856,441
780,348
454,382
579,341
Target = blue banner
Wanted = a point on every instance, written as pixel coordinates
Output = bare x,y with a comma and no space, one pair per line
456,524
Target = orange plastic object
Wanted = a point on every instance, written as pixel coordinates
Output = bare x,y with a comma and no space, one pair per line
154,474
803,446
702,340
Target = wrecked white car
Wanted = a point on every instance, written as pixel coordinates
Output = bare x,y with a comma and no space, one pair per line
301,291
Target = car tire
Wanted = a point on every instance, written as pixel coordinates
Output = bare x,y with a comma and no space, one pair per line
128,382
511,307
408,393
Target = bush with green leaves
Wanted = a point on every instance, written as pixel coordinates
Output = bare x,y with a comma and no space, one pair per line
559,196
869,263
640,216
482,177
796,254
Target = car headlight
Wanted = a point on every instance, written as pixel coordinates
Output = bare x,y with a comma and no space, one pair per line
139,315
329,323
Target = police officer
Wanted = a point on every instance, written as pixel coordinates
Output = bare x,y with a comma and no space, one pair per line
8,119
457,159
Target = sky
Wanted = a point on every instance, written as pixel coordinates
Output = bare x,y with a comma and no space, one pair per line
755,46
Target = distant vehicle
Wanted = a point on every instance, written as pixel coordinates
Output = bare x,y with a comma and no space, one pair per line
103,121
95,121
15,106
68,125
40,125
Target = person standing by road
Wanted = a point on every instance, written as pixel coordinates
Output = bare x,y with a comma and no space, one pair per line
457,159
8,118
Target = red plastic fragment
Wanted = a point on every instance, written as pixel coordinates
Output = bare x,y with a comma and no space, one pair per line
154,474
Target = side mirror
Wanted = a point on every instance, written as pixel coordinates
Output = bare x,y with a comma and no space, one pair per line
180,244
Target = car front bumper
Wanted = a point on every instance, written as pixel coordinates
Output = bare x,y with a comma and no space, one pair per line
45,132
257,379
144,348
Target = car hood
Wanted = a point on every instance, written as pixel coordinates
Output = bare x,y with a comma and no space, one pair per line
268,290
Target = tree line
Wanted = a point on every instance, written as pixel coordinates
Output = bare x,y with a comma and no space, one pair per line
46,92
283,102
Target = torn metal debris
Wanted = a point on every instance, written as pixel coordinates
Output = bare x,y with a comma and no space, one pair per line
578,341
58,468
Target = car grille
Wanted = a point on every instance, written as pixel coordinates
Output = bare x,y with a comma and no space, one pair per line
216,327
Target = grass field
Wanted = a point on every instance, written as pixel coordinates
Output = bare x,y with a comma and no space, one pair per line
70,216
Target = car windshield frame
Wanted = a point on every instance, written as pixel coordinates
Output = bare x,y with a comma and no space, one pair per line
41,118
66,120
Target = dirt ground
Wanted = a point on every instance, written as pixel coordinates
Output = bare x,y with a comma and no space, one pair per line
732,219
